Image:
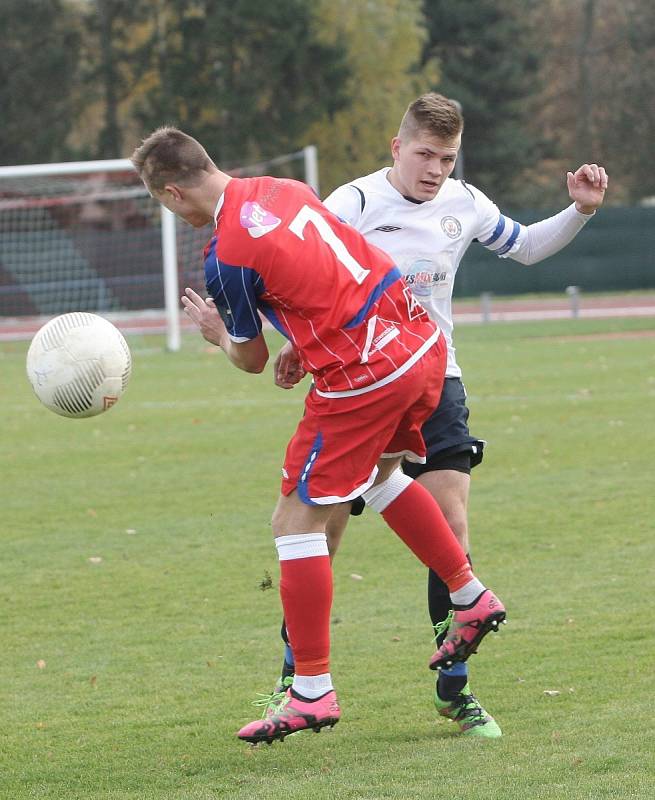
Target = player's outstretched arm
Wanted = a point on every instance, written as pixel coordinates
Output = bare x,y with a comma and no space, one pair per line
542,239
250,356
288,370
587,187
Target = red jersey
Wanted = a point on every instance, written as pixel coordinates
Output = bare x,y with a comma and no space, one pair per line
340,300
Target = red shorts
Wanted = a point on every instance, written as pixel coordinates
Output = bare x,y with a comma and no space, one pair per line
333,454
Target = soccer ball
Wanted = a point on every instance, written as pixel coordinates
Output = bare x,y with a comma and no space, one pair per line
78,364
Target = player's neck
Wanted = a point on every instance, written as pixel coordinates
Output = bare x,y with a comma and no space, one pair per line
213,190
393,179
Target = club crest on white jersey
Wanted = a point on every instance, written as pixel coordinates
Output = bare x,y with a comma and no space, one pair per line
451,226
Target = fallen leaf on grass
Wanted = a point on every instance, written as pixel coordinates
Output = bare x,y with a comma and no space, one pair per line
356,577
551,692
95,560
40,664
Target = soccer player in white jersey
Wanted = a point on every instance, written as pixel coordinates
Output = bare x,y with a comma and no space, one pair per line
426,221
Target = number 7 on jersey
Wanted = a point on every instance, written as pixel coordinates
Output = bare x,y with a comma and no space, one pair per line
309,215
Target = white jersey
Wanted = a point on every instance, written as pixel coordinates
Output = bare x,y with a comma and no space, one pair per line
428,240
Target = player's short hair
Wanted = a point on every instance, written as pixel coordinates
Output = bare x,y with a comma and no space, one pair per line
169,155
432,114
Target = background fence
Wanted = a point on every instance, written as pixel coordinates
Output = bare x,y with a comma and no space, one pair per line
614,252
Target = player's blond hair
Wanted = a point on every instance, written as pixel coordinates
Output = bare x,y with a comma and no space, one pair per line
432,114
169,155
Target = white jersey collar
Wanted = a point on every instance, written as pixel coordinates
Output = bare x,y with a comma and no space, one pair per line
219,205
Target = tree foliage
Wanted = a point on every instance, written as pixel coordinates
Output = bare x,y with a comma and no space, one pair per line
487,59
384,40
112,69
39,43
544,84
596,104
246,77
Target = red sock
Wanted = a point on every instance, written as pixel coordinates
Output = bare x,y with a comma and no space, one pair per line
306,592
416,517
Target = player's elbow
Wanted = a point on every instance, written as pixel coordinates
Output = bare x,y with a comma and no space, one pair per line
255,360
250,356
255,367
525,258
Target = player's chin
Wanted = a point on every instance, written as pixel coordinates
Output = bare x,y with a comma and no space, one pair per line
427,191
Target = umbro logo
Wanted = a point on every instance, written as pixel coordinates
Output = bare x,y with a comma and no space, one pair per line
388,228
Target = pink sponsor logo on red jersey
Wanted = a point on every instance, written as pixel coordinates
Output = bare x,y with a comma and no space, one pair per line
257,220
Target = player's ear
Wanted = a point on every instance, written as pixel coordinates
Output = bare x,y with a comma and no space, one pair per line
173,190
395,148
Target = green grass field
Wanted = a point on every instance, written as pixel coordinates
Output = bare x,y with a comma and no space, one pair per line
129,676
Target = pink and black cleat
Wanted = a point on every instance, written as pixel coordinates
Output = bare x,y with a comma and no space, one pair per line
468,628
292,715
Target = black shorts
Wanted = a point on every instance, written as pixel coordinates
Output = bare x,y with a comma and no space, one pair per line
447,437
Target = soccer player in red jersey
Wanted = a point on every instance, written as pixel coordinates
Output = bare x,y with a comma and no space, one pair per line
378,365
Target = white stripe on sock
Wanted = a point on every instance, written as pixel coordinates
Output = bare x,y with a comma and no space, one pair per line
468,593
301,545
312,686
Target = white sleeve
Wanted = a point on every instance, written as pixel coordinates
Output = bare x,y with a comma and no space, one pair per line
524,243
547,237
346,202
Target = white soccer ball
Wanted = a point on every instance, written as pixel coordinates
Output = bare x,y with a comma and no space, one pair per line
79,364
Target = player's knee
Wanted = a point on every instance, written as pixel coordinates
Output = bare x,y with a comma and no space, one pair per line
381,495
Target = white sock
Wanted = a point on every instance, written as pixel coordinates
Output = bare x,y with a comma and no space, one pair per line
468,593
312,686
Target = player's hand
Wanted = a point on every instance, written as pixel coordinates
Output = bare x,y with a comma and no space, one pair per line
587,187
287,369
206,317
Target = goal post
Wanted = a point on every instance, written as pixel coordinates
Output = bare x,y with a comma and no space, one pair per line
87,236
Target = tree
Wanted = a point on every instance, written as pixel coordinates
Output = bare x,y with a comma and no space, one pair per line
246,77
384,41
488,60
39,46
110,72
596,103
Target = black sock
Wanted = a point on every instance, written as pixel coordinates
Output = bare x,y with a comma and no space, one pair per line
288,667
450,686
439,605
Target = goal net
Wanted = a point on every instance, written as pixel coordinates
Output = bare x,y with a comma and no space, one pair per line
87,236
